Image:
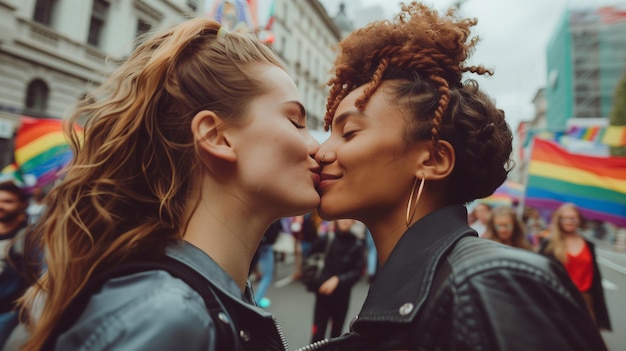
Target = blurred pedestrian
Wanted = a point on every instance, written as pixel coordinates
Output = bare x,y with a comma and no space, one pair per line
566,245
371,255
13,226
411,142
343,266
535,225
191,149
482,213
504,227
264,260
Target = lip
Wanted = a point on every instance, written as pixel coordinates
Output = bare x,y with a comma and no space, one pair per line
316,178
326,179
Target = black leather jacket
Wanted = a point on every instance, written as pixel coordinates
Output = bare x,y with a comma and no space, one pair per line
444,289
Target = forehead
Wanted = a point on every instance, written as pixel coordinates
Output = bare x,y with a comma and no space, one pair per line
568,211
8,196
277,82
379,103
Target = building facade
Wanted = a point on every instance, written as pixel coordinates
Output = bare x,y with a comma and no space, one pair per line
586,57
305,37
52,52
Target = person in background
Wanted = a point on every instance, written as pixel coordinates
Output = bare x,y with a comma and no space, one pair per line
482,212
566,245
343,266
264,260
504,227
37,206
13,226
371,257
190,150
535,225
412,141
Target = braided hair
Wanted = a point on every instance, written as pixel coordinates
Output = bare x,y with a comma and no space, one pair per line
423,54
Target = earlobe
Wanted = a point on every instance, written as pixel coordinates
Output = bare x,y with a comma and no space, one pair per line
437,164
208,131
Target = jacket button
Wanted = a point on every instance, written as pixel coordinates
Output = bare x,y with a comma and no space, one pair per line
223,317
244,335
406,309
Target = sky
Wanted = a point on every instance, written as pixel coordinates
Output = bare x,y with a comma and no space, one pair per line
513,35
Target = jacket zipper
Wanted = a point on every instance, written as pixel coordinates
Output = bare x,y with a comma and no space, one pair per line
279,329
314,346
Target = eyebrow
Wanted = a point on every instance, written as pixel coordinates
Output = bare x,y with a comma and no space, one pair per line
342,117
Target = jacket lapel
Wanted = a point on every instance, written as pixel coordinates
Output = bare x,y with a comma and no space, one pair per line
405,281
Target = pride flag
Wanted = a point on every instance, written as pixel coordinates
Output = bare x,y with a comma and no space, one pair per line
507,194
597,185
41,149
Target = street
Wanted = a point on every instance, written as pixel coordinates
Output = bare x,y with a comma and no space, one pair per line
293,305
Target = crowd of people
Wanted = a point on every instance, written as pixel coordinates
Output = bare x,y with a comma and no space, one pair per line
195,157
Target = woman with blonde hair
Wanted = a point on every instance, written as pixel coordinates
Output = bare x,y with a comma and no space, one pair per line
566,245
411,143
191,149
504,227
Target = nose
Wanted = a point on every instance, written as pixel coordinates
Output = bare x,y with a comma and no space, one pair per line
312,144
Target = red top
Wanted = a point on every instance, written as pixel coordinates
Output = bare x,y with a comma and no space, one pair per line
580,268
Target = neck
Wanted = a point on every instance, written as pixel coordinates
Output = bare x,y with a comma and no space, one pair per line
387,229
227,230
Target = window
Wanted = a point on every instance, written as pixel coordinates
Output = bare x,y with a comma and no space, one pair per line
43,11
143,27
37,98
192,5
98,19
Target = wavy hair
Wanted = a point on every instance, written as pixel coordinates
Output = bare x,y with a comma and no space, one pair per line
130,188
423,56
518,238
556,242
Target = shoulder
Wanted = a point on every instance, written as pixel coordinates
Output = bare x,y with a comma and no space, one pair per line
483,262
148,310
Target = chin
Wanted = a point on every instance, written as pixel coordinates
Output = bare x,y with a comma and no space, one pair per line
330,214
304,205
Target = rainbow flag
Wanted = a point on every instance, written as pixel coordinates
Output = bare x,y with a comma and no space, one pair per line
597,185
41,149
507,194
615,136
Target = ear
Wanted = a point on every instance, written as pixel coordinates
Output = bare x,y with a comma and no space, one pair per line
208,130
436,164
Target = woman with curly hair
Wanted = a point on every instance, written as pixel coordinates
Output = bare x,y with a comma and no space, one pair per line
410,144
504,227
190,150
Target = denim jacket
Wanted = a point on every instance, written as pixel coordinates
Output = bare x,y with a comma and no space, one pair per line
154,311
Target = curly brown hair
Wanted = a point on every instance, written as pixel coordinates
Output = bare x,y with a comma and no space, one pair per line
423,54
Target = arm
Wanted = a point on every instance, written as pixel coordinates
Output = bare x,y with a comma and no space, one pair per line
522,309
357,259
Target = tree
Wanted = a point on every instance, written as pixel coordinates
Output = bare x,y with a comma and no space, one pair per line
617,116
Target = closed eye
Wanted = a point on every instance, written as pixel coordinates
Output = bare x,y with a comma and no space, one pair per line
297,125
349,134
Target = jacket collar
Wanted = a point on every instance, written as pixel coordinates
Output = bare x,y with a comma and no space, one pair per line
197,259
404,282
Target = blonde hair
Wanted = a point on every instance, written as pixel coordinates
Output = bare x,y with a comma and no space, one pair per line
556,243
518,238
136,166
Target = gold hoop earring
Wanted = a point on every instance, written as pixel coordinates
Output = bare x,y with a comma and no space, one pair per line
409,214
